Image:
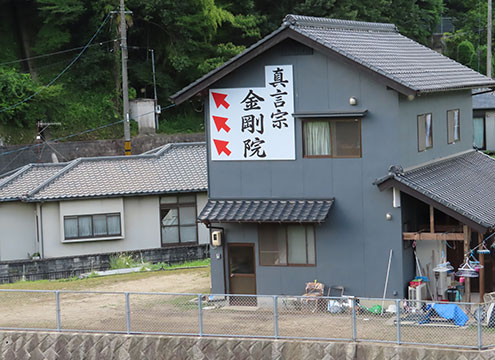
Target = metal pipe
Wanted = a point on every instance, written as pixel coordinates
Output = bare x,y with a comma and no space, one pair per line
354,328
275,316
397,312
57,310
200,314
127,313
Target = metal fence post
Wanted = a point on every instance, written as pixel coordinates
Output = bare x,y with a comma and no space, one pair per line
57,309
275,315
480,334
200,314
397,312
354,328
127,313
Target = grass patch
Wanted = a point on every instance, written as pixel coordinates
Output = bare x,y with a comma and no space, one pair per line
95,283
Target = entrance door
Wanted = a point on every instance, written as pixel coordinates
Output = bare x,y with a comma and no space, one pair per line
242,273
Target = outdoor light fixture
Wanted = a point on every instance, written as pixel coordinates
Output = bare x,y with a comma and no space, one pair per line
388,216
352,101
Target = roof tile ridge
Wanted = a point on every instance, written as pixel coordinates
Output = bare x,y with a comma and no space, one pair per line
62,171
167,147
438,161
359,61
15,175
303,20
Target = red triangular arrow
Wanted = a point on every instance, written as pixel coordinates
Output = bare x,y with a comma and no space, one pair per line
219,99
220,123
222,147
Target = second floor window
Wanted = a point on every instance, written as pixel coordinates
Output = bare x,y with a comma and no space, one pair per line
425,132
337,138
453,126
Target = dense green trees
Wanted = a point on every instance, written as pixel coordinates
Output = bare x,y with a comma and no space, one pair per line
189,38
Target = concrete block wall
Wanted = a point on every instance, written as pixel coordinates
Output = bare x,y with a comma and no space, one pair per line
64,267
45,345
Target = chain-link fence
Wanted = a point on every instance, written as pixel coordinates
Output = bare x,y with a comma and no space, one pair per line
467,325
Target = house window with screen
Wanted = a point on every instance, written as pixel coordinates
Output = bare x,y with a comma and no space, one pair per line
338,138
479,132
178,219
286,245
92,226
425,132
453,126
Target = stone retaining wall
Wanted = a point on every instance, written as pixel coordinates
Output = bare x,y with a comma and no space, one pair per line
44,345
65,267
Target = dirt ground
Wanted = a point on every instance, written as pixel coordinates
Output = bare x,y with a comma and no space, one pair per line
98,311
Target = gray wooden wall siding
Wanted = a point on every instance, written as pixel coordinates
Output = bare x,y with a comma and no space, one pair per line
352,246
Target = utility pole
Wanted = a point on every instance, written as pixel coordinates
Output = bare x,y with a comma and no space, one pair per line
489,41
125,90
157,109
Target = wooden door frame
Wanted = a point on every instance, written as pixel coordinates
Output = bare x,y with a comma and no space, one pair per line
252,245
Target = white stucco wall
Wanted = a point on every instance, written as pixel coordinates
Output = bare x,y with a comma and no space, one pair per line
139,220
203,232
17,230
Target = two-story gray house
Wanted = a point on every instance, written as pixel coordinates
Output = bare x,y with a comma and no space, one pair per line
331,145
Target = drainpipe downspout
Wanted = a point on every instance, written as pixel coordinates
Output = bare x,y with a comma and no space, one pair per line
42,246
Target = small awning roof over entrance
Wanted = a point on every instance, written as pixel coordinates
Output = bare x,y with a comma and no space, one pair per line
262,211
462,186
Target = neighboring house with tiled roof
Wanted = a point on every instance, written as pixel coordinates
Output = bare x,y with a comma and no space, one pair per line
303,125
484,119
104,204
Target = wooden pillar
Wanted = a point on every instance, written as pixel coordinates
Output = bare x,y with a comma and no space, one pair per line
432,219
467,248
482,270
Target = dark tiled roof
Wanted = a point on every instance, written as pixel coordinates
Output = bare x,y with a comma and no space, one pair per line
377,47
171,168
382,49
287,211
464,183
483,101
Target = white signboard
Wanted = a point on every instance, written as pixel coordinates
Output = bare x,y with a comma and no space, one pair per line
254,123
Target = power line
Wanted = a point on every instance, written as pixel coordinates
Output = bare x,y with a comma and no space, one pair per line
62,72
55,53
78,134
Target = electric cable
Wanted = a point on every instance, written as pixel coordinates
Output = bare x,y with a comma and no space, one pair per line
55,53
62,72
77,134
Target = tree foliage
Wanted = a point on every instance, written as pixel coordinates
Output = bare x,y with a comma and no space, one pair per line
189,38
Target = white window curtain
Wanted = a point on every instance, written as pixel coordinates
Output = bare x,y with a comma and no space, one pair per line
100,224
317,138
70,228
457,135
113,222
296,241
85,226
428,131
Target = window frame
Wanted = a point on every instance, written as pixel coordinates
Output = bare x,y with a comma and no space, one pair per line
331,120
287,263
177,205
431,131
453,126
93,236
